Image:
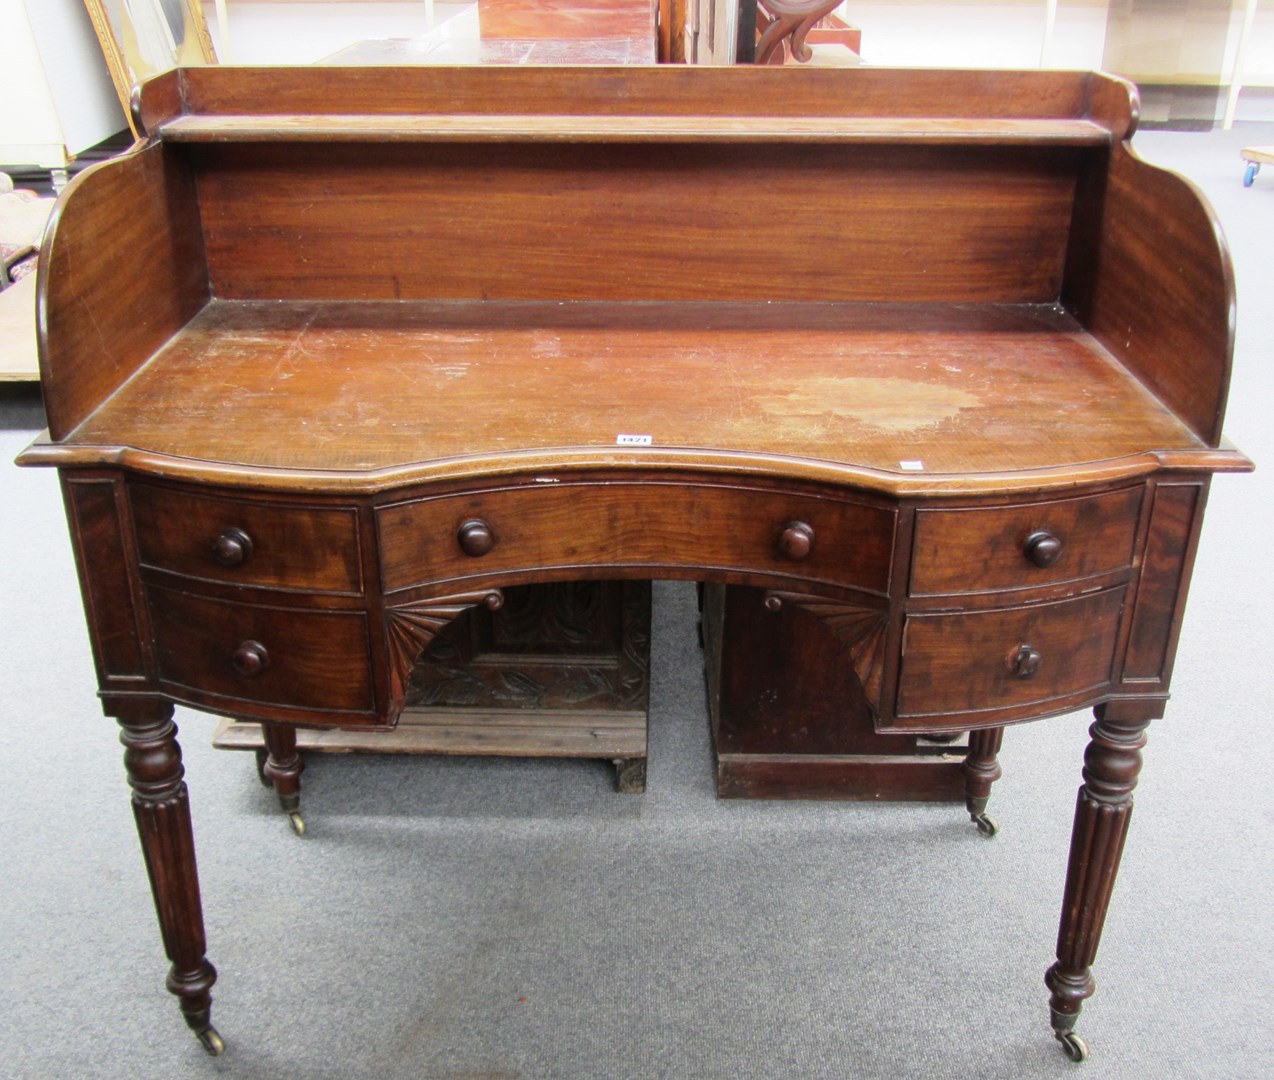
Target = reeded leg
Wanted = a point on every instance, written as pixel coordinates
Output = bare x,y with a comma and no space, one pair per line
161,807
981,770
283,768
1111,765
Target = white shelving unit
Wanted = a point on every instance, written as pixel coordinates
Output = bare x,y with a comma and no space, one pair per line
1253,56
58,98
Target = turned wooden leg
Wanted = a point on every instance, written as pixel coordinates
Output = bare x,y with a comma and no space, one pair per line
1111,765
283,767
161,807
981,770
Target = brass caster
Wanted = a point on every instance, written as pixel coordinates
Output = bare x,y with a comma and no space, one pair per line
987,825
298,822
211,1041
1073,1046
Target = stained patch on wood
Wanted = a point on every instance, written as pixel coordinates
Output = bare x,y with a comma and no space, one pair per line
900,405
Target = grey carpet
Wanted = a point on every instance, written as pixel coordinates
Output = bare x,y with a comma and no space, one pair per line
492,919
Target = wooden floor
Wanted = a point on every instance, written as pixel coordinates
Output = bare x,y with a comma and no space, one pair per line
896,387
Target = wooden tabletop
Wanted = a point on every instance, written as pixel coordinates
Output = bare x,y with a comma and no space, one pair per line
913,391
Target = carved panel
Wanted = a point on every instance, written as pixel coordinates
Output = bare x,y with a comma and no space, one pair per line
860,629
563,617
566,645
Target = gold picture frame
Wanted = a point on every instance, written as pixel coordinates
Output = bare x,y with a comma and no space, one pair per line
141,38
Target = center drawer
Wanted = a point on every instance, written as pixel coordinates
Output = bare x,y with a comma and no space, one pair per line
636,525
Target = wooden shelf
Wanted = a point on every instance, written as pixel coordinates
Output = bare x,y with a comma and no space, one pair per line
507,732
630,129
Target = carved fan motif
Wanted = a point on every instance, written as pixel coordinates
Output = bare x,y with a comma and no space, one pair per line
411,627
860,629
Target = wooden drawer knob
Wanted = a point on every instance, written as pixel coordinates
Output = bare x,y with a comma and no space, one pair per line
1024,661
250,658
1042,549
475,537
232,548
796,540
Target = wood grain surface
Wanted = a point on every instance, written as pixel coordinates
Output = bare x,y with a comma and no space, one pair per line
960,663
667,90
283,546
646,524
632,129
122,269
623,222
1150,276
954,388
984,549
316,661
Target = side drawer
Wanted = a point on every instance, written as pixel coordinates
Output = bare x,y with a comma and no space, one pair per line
1021,659
220,649
246,542
988,549
648,525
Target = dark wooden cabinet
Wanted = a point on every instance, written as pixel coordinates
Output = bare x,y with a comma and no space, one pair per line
335,356
790,718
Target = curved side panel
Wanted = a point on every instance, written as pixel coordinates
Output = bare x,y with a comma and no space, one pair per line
122,270
157,100
1115,103
1149,275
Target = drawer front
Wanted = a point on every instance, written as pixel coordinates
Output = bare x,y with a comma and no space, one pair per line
250,653
971,550
648,525
237,541
1008,658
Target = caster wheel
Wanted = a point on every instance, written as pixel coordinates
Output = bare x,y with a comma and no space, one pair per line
1249,174
211,1042
298,822
987,825
1073,1046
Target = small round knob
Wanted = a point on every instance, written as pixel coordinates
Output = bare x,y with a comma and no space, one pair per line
232,548
475,537
1024,661
796,540
1042,549
250,658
